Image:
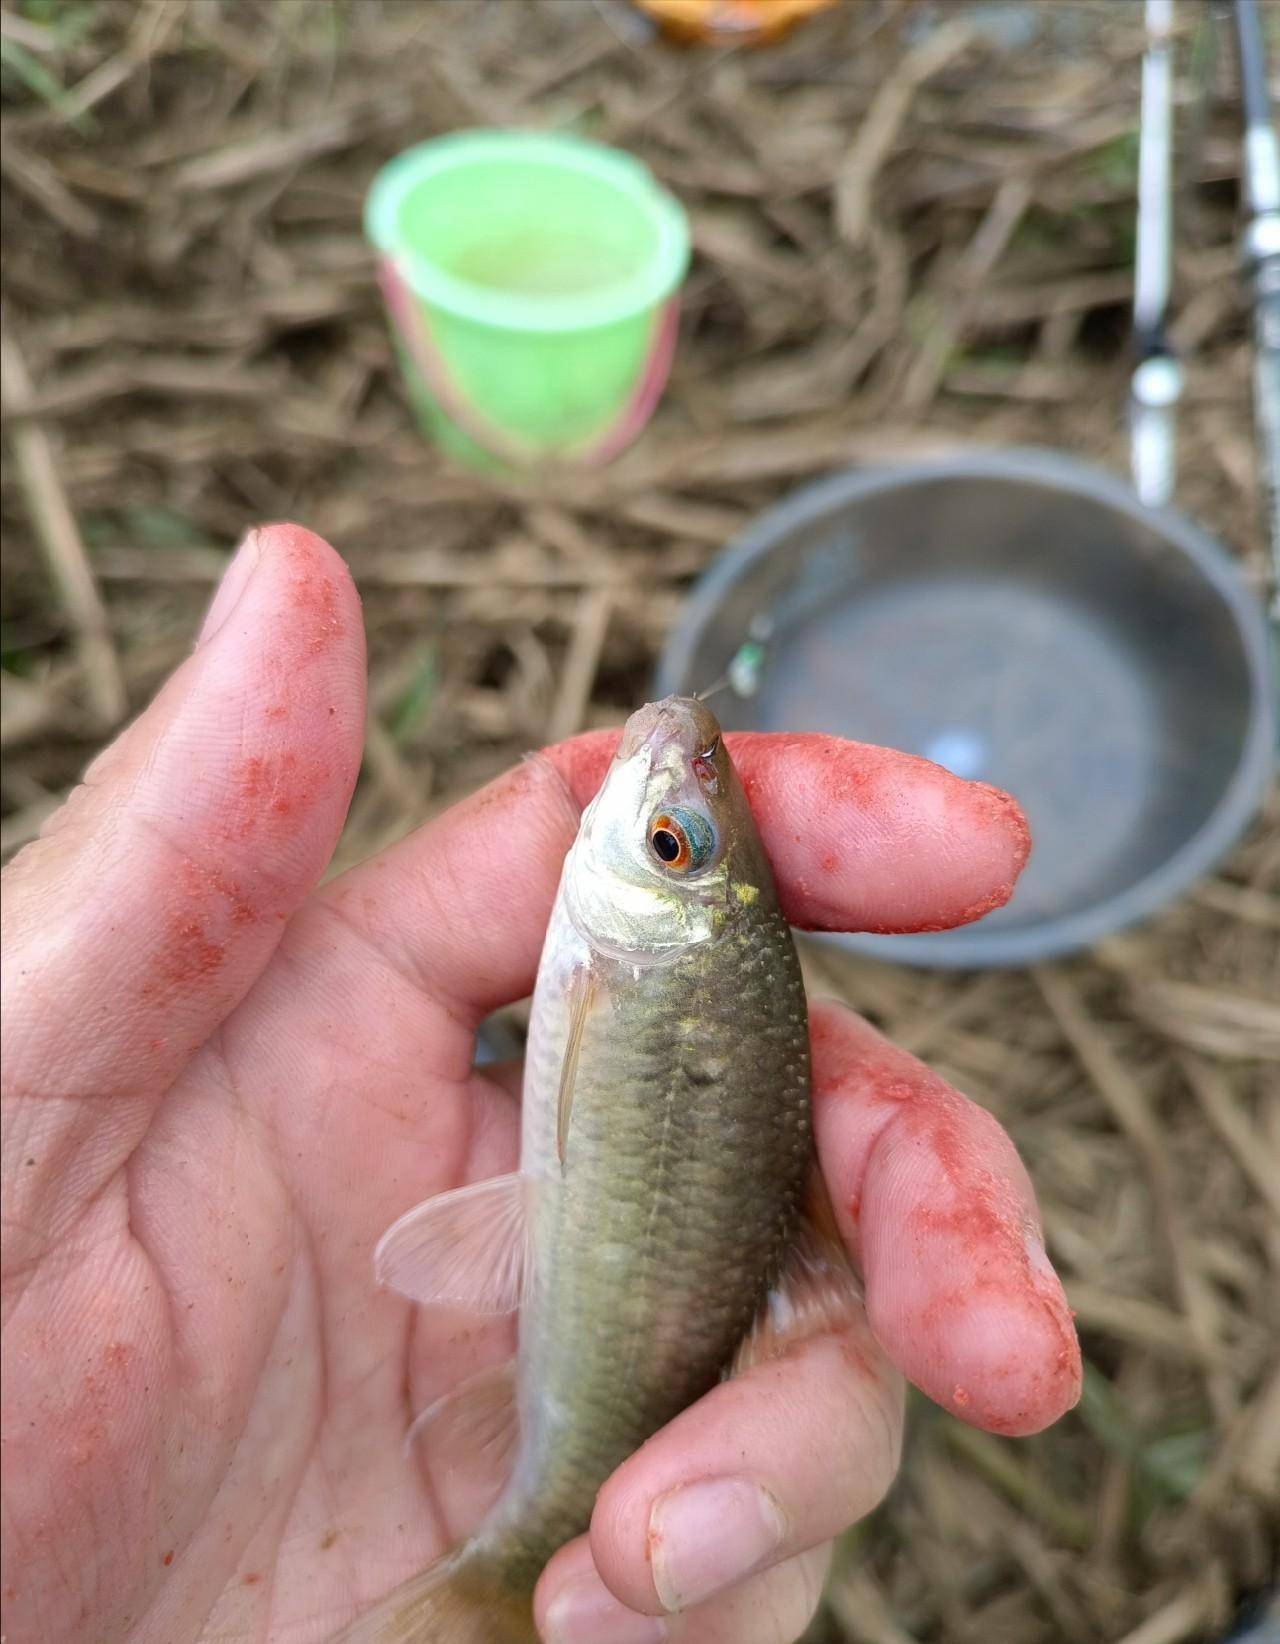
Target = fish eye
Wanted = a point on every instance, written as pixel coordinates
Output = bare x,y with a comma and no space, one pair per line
682,840
666,845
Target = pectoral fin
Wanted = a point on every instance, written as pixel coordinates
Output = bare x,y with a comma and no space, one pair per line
581,995
467,1248
817,1291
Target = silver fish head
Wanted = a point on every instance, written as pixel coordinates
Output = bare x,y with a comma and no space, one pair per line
666,840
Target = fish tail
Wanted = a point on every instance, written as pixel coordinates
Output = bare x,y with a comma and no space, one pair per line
445,1604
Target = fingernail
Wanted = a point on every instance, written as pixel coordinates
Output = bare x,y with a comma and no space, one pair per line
235,579
584,1611
706,1536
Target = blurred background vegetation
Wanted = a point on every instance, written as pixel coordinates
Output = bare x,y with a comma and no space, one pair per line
913,228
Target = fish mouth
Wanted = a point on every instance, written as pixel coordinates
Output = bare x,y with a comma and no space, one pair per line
677,722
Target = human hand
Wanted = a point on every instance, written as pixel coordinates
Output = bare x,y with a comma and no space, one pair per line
221,1085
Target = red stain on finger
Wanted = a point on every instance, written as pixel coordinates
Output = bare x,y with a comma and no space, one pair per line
95,1425
995,898
887,1083
316,597
862,1064
213,907
1001,810
982,1211
865,808
252,778
313,591
958,1283
831,770
208,882
187,957
977,1225
270,789
838,1057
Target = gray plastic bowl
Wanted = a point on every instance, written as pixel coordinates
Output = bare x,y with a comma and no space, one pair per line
1019,618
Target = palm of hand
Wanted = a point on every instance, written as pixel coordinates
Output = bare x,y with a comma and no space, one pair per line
218,1385
223,1085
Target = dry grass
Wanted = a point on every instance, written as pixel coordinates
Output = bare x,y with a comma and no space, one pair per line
906,241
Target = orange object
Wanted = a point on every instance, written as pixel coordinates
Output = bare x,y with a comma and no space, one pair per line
728,22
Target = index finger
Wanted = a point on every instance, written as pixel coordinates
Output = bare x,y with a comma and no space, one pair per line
860,838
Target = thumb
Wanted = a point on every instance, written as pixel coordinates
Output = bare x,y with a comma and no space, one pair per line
160,890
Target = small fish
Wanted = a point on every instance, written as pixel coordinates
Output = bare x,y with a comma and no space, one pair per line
666,1222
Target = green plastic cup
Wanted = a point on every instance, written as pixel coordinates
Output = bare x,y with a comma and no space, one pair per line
531,282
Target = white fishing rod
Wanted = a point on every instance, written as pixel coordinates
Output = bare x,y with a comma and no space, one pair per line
1156,386
1261,253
